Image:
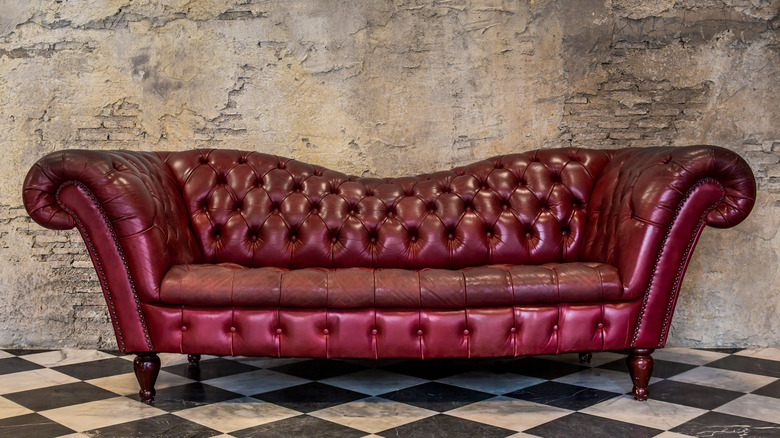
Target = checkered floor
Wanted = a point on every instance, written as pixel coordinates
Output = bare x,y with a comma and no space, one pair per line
88,393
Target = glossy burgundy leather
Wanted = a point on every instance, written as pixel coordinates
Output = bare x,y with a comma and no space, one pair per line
228,284
541,252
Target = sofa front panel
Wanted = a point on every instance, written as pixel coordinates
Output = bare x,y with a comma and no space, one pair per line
388,333
262,210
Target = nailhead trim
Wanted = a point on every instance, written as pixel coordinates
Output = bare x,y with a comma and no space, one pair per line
678,276
98,264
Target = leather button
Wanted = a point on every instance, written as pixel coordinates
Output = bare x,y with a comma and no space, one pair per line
184,328
419,332
278,331
374,331
373,240
512,330
601,325
465,332
413,238
334,239
325,332
528,235
555,327
450,236
489,235
232,329
293,238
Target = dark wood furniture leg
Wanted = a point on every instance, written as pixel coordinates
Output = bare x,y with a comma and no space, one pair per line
193,359
146,367
640,366
585,357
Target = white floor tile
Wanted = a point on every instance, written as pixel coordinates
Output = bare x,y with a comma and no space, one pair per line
11,409
723,379
374,381
491,382
33,379
373,414
236,414
256,382
605,380
754,406
66,356
509,413
101,413
127,384
688,355
650,413
761,353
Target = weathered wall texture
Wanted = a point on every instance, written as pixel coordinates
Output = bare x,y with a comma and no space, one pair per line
387,88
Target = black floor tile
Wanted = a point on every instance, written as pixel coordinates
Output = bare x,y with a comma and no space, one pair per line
31,425
97,369
430,369
539,368
300,426
764,367
168,426
210,369
771,390
688,394
725,350
562,395
318,369
58,396
437,396
190,395
25,351
445,426
15,365
578,424
661,368
113,352
310,397
715,424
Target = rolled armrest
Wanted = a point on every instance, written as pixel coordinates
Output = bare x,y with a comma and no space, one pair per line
119,200
645,216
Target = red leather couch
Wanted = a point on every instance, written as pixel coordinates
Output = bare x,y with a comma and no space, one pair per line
242,253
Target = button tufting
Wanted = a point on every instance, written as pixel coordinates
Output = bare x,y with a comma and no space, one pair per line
325,332
419,332
232,329
466,332
555,327
184,328
278,331
374,331
601,325
513,330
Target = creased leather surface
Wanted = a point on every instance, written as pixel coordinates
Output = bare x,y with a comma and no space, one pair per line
260,210
493,285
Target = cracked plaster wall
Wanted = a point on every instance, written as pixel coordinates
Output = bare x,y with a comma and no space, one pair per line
387,88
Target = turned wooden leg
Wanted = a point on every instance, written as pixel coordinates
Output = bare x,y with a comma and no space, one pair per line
640,366
193,359
146,367
585,357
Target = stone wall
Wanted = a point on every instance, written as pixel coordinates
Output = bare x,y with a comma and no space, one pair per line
387,88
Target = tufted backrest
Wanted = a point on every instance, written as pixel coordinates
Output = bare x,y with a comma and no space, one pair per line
257,210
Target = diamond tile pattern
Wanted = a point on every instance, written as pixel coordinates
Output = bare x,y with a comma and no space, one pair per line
693,393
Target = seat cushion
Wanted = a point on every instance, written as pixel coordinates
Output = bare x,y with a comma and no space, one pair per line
229,284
